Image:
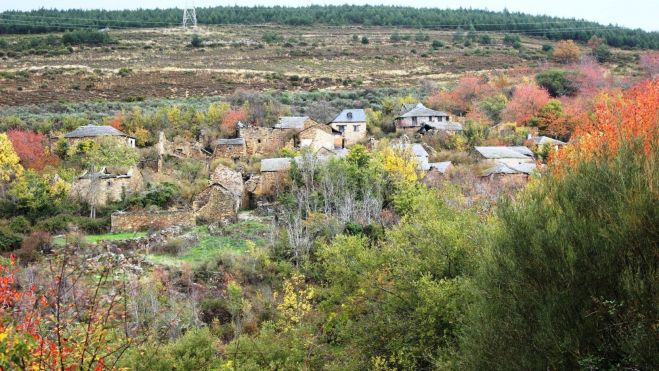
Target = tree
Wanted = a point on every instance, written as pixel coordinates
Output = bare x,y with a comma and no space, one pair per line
10,166
558,82
567,51
31,149
552,121
526,102
37,196
228,126
602,53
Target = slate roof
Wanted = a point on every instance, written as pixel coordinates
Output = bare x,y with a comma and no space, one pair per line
87,131
525,168
406,107
422,111
358,115
497,152
440,166
275,164
229,141
291,122
544,140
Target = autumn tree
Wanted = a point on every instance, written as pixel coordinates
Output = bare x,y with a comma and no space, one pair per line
230,120
567,51
31,149
526,102
461,98
10,166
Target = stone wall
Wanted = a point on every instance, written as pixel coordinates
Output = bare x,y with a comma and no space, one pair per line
317,138
144,220
266,141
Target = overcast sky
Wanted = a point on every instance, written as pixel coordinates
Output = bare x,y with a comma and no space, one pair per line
629,13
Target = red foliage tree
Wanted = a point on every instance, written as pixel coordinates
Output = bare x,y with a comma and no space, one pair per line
591,77
461,98
32,150
526,102
618,117
649,63
117,121
228,125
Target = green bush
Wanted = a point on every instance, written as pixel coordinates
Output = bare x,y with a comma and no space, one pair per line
63,223
570,280
365,40
86,37
558,82
9,240
20,224
196,41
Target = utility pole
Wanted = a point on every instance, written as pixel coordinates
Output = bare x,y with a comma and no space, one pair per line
189,16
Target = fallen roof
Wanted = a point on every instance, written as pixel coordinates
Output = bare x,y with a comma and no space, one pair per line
544,140
524,168
358,115
87,131
422,111
275,164
444,125
496,152
229,141
291,122
439,166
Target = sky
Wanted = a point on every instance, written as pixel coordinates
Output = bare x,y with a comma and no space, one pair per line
628,13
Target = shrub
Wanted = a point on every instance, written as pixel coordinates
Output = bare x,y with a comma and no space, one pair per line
196,41
511,39
9,240
63,223
436,44
365,40
19,224
558,82
547,48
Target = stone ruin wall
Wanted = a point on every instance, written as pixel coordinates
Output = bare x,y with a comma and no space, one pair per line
144,220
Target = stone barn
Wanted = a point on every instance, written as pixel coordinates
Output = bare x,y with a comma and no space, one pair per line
221,200
274,175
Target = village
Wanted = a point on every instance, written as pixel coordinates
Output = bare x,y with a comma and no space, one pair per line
231,188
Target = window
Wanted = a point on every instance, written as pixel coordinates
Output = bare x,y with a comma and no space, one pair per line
356,128
341,128
414,120
431,119
349,115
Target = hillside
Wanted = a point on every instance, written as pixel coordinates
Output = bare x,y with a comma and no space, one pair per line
152,63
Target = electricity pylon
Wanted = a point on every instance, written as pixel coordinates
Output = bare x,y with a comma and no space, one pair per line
189,16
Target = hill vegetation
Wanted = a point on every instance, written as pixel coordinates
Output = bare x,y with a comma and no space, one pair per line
461,20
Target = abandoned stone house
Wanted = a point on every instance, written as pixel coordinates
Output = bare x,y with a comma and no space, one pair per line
350,125
95,132
513,155
436,173
181,147
504,176
107,185
265,141
221,200
274,175
540,141
423,119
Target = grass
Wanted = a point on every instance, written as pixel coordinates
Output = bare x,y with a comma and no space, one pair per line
95,238
209,247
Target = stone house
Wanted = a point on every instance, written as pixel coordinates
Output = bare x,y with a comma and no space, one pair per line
106,185
541,141
221,200
423,119
350,124
514,155
318,138
502,177
94,132
232,148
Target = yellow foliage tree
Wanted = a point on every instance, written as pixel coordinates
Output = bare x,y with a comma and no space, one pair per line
400,164
296,301
567,51
9,160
